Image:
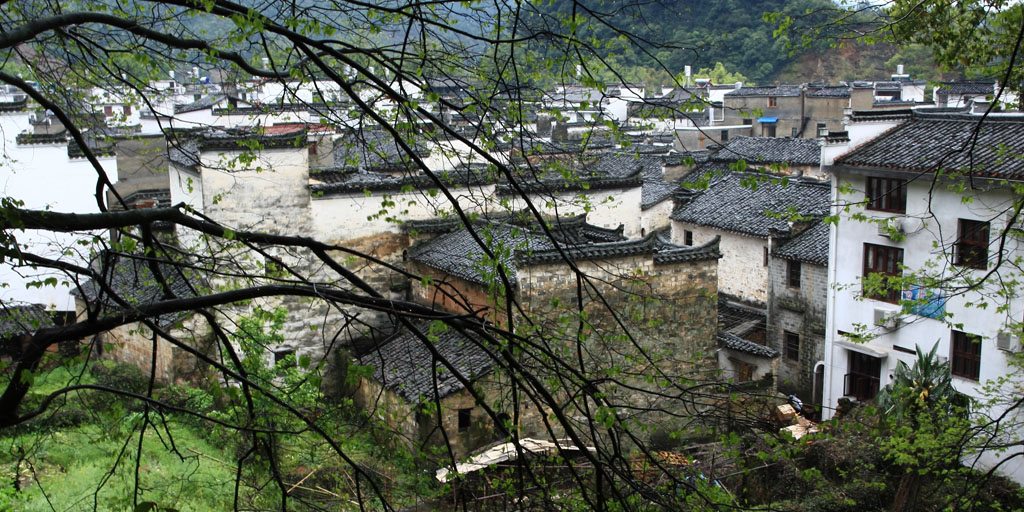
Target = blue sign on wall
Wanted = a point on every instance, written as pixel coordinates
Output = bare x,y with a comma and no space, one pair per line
924,302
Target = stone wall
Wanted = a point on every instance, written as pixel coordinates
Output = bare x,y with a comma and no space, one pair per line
741,271
133,344
788,109
801,311
416,426
670,311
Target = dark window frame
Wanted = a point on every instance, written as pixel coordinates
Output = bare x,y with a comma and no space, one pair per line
885,260
765,256
282,353
971,247
791,343
773,102
793,270
863,376
465,419
687,237
965,355
886,194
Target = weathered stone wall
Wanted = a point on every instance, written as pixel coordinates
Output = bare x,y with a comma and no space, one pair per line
670,310
824,110
416,427
656,217
741,271
269,194
788,109
133,344
801,311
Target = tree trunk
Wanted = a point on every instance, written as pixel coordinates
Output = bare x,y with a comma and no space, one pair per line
906,494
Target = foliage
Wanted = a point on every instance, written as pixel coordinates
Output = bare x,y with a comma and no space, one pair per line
719,75
982,38
925,387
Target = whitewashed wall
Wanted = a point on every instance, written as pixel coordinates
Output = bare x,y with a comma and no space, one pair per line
44,177
846,268
741,270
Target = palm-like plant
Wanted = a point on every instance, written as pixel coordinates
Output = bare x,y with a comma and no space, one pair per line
922,391
928,385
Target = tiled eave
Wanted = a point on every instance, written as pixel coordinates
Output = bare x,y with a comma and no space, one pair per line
733,342
911,173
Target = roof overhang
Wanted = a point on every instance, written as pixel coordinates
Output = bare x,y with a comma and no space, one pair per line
863,348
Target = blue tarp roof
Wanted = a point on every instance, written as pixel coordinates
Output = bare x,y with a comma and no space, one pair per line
768,120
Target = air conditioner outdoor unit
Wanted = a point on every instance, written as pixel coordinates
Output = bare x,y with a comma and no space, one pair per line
887,319
1008,342
891,227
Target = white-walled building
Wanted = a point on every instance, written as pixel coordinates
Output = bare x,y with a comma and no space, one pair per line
41,166
903,218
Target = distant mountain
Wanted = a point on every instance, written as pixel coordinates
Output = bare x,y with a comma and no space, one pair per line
700,33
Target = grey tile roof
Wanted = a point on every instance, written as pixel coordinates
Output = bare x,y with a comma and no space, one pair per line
214,138
374,150
405,366
810,246
608,171
781,90
733,342
980,87
770,150
131,279
18,319
829,92
183,152
930,141
733,316
204,102
732,202
348,181
457,254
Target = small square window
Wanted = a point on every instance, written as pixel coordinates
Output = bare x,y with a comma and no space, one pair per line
687,237
792,341
127,110
465,419
748,122
281,356
822,130
724,136
772,102
793,274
